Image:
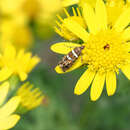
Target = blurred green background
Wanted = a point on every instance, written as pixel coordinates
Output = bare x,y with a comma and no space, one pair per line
66,111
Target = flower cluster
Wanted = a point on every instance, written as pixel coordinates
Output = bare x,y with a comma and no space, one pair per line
20,17
98,35
7,118
19,20
15,65
14,62
25,100
105,42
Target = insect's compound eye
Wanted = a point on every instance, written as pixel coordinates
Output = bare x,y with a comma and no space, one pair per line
107,46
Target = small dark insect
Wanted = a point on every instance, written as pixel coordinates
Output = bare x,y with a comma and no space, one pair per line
107,46
68,60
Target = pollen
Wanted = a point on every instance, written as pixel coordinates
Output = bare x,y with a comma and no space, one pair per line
105,51
63,31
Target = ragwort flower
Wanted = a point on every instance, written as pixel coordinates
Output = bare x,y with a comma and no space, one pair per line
18,63
63,31
7,118
34,9
13,29
106,50
30,97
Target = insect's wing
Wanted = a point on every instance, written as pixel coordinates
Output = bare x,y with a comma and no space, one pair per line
64,47
76,65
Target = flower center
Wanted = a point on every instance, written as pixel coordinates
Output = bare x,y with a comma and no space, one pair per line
105,51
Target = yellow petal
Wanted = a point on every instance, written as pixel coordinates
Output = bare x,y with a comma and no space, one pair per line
5,73
32,63
76,65
76,29
58,70
10,106
126,70
23,76
20,54
123,20
4,88
9,122
25,59
126,34
127,46
111,83
66,3
84,82
58,31
90,18
64,47
97,86
9,52
101,15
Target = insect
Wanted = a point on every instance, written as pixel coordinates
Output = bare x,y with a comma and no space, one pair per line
68,60
107,46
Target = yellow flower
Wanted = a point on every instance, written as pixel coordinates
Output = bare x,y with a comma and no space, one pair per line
106,50
30,97
16,63
16,31
63,31
42,8
10,7
51,7
7,118
33,10
40,12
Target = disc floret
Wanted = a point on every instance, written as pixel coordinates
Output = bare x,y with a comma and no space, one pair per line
105,51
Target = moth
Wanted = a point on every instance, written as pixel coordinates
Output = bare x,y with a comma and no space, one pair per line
69,59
